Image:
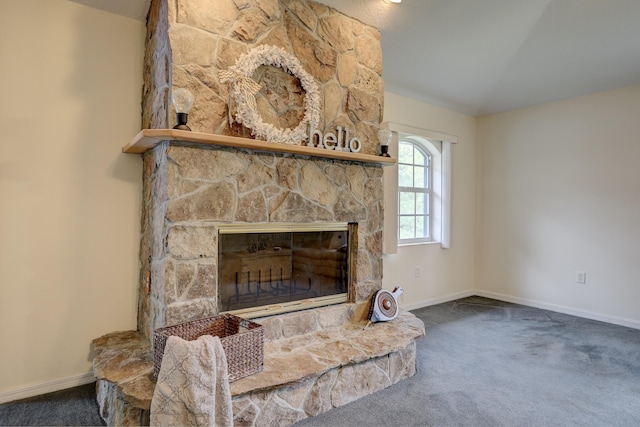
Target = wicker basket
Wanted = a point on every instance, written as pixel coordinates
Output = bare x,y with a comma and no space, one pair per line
242,341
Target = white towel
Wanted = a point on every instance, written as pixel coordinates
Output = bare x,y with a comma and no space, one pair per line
193,385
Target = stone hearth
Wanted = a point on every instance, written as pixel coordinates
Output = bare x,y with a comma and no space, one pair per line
315,360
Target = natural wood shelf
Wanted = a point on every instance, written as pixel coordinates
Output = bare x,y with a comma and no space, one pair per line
146,139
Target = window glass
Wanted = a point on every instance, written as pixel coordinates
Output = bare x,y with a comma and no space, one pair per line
407,227
422,203
405,175
407,203
405,154
419,177
421,228
413,193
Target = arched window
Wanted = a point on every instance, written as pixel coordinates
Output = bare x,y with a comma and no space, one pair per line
415,192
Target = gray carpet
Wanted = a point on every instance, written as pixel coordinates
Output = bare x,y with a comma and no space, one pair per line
488,363
76,406
481,363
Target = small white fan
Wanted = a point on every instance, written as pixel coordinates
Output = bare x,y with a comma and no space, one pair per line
384,305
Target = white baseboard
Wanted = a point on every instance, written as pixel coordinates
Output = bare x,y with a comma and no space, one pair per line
561,309
439,300
48,387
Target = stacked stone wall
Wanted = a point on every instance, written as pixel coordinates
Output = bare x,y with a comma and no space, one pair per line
189,192
156,90
189,41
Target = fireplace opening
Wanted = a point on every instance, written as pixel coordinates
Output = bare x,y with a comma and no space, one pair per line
266,269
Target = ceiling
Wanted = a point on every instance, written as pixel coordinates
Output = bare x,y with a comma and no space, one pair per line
480,57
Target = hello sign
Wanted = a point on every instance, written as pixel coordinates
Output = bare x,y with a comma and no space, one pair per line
338,141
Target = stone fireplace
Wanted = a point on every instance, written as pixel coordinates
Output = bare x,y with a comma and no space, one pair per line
196,195
190,192
193,193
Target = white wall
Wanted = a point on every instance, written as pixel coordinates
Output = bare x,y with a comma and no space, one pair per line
70,85
445,273
560,193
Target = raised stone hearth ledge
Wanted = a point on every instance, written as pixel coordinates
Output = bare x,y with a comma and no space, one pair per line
146,139
304,373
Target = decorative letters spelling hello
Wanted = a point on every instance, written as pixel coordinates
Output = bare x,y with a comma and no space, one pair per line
331,142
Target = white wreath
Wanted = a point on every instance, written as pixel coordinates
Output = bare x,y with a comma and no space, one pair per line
243,89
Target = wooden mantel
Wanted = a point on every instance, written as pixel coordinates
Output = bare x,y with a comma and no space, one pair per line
149,138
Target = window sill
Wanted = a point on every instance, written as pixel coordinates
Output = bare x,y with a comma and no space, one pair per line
419,244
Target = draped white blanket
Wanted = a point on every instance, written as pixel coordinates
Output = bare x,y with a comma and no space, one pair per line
193,385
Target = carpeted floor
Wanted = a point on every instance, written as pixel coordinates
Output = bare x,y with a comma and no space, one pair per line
481,363
488,363
72,407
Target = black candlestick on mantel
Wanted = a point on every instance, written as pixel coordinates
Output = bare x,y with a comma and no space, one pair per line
181,118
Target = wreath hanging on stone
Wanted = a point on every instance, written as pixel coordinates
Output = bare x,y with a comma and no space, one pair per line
243,89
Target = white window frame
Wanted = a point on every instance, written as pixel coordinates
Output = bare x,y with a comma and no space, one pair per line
441,225
428,190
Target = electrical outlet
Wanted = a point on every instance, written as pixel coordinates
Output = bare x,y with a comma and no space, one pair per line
581,277
417,271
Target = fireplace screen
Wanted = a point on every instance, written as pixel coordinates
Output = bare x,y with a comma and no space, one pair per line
272,268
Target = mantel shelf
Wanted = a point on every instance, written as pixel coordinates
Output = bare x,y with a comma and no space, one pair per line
146,139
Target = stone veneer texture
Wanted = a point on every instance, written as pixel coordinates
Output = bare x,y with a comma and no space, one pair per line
189,41
188,191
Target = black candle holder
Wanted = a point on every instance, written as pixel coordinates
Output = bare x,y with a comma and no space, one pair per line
181,118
